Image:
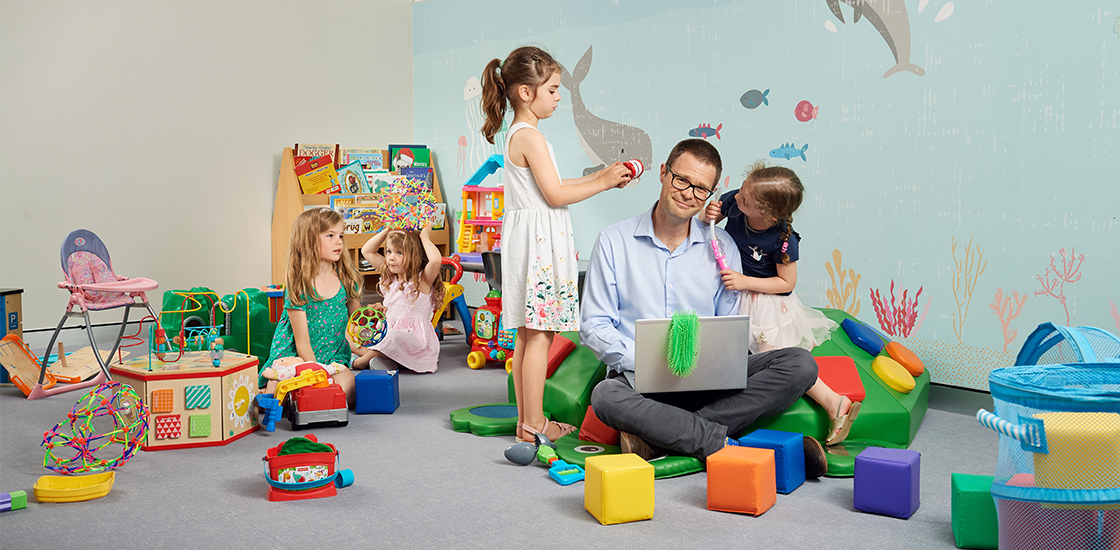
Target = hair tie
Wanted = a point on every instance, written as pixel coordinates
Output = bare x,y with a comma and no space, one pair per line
785,246
324,210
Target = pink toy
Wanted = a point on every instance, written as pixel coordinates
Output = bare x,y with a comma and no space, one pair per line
636,168
720,258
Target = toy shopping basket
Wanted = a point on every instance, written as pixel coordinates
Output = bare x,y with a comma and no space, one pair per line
1057,484
302,468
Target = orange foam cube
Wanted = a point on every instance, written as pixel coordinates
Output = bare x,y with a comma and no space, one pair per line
742,479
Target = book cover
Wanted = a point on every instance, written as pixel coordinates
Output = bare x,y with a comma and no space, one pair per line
419,173
371,159
318,176
363,217
401,156
316,150
385,181
353,179
439,215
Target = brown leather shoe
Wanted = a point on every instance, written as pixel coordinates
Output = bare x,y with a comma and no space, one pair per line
631,443
816,464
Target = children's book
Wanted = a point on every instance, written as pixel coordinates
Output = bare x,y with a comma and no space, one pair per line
342,202
316,150
384,181
362,217
439,215
371,159
419,173
353,179
318,176
401,156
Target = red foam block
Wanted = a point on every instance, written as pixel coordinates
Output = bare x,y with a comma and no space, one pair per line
841,374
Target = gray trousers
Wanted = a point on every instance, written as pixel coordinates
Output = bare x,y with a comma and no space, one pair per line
697,423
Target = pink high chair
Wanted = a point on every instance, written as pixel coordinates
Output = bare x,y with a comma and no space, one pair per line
92,286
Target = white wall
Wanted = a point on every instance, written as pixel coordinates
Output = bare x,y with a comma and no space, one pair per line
159,126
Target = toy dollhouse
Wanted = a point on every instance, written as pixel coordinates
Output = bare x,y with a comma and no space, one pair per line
480,224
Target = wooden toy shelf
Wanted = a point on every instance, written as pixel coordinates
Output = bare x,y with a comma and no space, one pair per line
290,202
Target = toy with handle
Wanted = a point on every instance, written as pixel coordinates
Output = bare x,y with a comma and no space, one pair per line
1031,433
720,258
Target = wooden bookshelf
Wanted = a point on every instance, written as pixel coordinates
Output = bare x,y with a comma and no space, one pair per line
291,202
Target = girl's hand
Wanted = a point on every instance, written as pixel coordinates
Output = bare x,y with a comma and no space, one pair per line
712,211
733,280
614,176
426,232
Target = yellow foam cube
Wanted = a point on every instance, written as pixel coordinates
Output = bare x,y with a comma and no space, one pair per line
618,488
1084,451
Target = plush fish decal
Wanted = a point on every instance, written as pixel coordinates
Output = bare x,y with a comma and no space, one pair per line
705,131
788,151
889,17
604,142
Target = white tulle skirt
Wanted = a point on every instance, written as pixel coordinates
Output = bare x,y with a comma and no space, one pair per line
783,322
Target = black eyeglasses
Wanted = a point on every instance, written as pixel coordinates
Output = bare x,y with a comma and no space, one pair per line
701,193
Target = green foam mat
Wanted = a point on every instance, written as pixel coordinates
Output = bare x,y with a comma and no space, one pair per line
487,420
573,451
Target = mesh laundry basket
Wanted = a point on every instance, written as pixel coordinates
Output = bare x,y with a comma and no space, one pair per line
1051,344
1057,484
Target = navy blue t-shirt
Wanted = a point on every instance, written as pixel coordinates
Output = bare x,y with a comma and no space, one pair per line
760,250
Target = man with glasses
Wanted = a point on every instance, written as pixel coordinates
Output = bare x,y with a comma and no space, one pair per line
651,266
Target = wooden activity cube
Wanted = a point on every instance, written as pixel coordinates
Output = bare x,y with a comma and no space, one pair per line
618,488
742,479
789,456
192,403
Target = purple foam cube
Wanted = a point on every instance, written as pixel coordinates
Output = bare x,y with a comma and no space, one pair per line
887,481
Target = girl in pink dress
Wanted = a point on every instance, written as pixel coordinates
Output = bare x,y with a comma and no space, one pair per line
412,290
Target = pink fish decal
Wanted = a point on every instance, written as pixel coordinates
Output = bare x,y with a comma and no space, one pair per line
805,111
705,131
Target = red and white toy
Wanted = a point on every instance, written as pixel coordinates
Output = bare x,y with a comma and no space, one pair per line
636,168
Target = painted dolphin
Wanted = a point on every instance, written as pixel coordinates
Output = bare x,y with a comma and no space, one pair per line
603,141
890,19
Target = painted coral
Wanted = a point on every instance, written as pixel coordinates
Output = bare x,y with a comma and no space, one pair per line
1007,308
968,271
841,291
897,320
1054,280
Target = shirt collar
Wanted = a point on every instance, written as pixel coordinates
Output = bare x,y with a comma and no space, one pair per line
696,230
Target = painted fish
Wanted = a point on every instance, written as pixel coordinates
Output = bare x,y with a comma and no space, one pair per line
754,98
705,130
805,111
788,151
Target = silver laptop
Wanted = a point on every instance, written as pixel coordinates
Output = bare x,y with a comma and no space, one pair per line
720,365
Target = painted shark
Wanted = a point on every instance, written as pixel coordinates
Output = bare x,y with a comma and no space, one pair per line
890,19
603,141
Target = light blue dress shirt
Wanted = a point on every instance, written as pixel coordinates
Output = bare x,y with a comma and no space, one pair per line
633,275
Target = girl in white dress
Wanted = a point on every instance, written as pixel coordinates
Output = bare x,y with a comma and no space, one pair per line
539,272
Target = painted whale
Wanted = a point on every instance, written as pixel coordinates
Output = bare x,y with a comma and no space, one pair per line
603,141
890,19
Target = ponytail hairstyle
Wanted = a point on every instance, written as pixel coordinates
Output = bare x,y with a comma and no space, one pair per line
304,259
778,192
415,258
526,66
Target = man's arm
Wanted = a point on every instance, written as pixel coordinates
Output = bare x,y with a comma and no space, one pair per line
600,312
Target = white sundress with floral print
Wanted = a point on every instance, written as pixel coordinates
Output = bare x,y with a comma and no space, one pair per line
539,272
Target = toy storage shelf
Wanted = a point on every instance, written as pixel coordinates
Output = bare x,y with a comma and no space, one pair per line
290,202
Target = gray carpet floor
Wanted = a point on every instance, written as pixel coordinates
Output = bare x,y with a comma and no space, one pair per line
418,484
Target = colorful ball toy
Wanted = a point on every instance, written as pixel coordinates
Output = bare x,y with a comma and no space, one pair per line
111,415
367,326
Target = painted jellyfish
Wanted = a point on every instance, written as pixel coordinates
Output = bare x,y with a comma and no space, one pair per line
472,92
461,157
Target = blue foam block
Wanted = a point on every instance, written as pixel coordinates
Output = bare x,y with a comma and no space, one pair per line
789,456
376,391
887,481
863,336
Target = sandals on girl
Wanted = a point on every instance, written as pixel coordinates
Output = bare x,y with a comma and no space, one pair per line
565,429
842,424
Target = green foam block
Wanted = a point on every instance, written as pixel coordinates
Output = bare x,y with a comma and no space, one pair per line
974,520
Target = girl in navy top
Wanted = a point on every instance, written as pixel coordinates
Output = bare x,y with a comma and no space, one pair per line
760,220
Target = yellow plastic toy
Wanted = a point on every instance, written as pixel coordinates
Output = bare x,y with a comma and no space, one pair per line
892,374
480,224
310,377
73,489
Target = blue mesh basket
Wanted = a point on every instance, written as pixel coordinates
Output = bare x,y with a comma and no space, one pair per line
1051,344
1057,483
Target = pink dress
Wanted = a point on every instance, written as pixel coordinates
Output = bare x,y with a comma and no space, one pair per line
410,340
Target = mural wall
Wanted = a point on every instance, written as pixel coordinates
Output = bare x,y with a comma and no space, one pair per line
960,160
